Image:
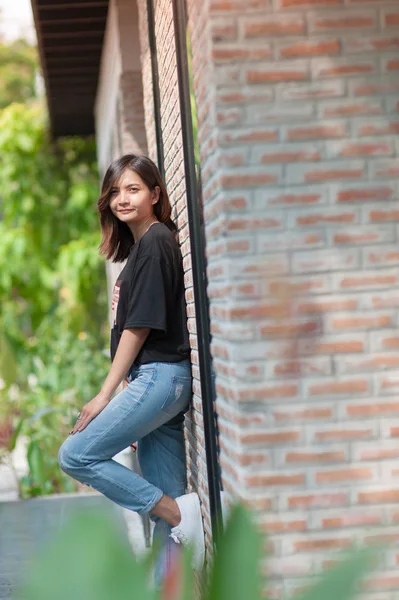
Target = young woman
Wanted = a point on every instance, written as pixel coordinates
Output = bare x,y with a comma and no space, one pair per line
149,348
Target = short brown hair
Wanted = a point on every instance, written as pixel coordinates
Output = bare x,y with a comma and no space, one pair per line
117,238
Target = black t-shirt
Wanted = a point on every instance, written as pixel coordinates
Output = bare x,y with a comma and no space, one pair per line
149,292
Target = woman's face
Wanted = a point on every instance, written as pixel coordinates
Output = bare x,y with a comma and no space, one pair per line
131,201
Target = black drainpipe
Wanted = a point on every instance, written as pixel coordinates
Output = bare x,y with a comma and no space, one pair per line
198,268
155,85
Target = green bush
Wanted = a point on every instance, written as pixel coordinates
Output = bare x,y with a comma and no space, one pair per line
53,315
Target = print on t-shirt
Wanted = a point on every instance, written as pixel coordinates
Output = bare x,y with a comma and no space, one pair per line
115,300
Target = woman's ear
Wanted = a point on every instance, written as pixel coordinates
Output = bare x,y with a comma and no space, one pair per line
155,194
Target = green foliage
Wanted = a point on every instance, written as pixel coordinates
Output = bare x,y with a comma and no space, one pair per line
19,66
89,560
52,288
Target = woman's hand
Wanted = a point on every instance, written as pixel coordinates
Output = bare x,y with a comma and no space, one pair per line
89,411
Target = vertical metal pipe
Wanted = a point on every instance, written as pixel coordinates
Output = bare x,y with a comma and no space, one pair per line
155,85
199,268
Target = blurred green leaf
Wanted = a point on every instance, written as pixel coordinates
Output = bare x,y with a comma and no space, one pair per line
88,559
236,570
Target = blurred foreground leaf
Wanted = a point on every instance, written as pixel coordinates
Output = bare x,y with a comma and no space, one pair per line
88,559
236,574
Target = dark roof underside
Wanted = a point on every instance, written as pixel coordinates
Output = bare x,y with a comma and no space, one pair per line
70,38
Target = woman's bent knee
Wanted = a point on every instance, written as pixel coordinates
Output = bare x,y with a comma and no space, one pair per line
67,459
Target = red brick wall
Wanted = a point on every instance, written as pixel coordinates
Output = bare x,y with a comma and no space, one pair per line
302,225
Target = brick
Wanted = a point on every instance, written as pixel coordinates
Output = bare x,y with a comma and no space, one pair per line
341,67
362,193
387,384
368,280
349,107
257,267
316,132
317,545
301,367
324,260
371,44
386,581
327,216
306,284
353,322
249,179
385,299
326,304
338,388
341,344
364,235
311,457
379,126
391,18
359,149
390,64
275,480
383,215
352,520
226,30
385,449
290,240
379,496
312,91
274,25
385,168
260,392
304,196
254,310
253,224
384,340
238,95
290,329
318,500
302,414
372,409
376,87
310,48
235,53
229,116
326,171
287,567
342,475
280,526
342,20
341,432
289,154
245,136
278,72
278,113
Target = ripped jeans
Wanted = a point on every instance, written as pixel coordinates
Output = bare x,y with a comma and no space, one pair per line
149,410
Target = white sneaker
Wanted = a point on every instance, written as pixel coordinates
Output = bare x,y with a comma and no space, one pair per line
190,530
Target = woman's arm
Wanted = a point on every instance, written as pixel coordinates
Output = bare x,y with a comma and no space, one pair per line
128,348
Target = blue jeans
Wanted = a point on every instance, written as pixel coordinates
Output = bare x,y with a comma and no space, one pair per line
149,410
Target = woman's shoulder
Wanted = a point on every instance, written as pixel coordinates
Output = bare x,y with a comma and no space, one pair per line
158,240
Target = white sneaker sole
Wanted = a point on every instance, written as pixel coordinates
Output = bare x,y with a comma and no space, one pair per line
198,545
